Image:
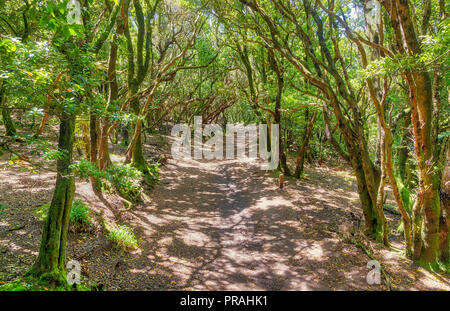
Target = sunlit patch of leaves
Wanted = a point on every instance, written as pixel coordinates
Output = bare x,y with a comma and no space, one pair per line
124,237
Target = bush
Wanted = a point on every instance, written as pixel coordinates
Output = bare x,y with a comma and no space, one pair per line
123,236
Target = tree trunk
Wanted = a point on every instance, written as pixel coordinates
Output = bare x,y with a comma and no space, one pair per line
426,210
51,262
444,221
93,157
301,152
103,151
372,221
6,114
277,112
135,153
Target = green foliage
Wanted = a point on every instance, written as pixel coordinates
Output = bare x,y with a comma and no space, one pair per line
124,237
56,154
435,50
80,214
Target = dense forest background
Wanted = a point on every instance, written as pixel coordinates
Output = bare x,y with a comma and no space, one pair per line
86,86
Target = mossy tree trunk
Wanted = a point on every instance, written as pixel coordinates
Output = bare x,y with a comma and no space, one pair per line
10,129
51,262
137,156
136,73
426,210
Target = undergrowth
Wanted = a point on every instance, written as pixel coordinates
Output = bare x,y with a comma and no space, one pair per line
125,179
30,283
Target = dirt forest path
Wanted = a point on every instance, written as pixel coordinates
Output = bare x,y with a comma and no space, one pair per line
227,226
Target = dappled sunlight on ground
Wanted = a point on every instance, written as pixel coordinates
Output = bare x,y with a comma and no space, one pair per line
226,226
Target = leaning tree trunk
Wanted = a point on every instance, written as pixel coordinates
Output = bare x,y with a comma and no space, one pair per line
51,262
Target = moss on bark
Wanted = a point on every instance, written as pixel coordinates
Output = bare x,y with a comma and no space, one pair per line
51,262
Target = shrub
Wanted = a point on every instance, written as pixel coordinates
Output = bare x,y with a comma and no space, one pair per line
124,178
80,213
124,237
